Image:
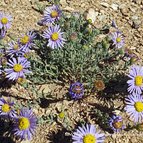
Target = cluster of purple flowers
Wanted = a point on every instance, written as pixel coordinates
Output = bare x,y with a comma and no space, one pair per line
24,121
53,33
5,24
117,37
134,102
15,55
18,64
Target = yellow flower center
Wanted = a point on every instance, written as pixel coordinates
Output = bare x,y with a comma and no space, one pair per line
62,115
118,39
55,36
17,67
5,108
117,124
23,123
25,39
89,138
139,106
77,89
54,14
16,47
4,20
21,80
138,80
99,85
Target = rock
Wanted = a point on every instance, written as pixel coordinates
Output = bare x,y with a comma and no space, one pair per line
67,8
125,11
104,4
91,14
135,17
136,24
63,2
44,89
102,17
114,6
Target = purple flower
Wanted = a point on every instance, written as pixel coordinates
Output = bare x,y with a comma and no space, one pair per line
117,39
18,68
6,108
76,90
5,21
25,124
136,80
2,33
116,123
87,134
134,107
27,40
114,24
14,49
54,36
51,14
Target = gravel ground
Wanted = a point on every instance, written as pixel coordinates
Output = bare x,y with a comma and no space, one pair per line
128,15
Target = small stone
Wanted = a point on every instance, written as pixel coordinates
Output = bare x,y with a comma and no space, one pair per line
102,17
135,17
70,9
136,24
83,5
105,4
91,14
114,6
122,6
63,2
44,89
125,12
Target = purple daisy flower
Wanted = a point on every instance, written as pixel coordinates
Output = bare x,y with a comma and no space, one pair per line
14,49
116,123
5,21
87,134
134,107
2,33
136,80
113,24
27,40
25,124
18,68
117,39
51,14
76,90
6,108
55,36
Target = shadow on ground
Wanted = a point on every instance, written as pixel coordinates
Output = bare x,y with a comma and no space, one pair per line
59,137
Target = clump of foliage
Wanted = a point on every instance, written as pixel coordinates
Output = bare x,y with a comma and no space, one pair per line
83,58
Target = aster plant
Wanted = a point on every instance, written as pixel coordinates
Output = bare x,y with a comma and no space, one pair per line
117,39
73,54
134,107
25,124
7,108
87,134
51,14
14,49
116,123
135,83
17,67
5,21
76,90
27,40
54,36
